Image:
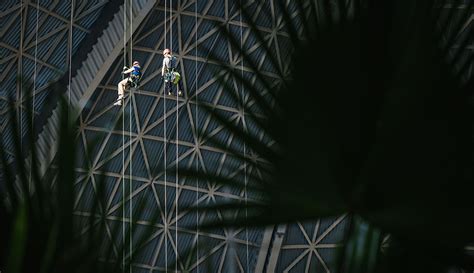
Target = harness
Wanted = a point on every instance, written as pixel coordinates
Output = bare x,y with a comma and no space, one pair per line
172,74
134,78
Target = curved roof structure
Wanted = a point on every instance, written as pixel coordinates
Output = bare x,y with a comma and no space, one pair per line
83,54
37,40
159,129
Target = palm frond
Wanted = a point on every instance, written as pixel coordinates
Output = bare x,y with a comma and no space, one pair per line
39,228
370,115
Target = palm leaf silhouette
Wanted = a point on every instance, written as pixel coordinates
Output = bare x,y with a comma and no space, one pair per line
39,231
374,121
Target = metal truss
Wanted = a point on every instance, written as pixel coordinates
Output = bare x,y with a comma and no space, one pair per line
144,145
139,153
22,47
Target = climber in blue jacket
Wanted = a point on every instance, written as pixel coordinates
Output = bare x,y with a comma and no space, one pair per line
132,80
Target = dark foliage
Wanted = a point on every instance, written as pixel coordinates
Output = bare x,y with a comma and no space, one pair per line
39,231
375,122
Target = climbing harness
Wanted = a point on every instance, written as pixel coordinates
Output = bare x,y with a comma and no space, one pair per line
134,79
172,76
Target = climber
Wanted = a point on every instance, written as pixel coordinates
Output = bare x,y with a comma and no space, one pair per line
133,80
170,74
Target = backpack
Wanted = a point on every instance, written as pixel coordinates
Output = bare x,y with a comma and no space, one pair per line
173,77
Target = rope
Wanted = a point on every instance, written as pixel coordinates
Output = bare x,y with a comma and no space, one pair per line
70,51
176,147
36,61
197,136
130,139
19,95
35,76
165,154
123,133
245,146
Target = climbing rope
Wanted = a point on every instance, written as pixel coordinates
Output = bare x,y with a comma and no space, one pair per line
166,227
36,63
123,134
35,76
197,136
176,147
130,140
19,94
245,146
70,51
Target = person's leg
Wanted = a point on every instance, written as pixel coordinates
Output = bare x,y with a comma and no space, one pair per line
168,88
121,89
180,88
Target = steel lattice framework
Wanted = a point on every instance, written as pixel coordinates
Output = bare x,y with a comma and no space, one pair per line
133,153
194,29
44,49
